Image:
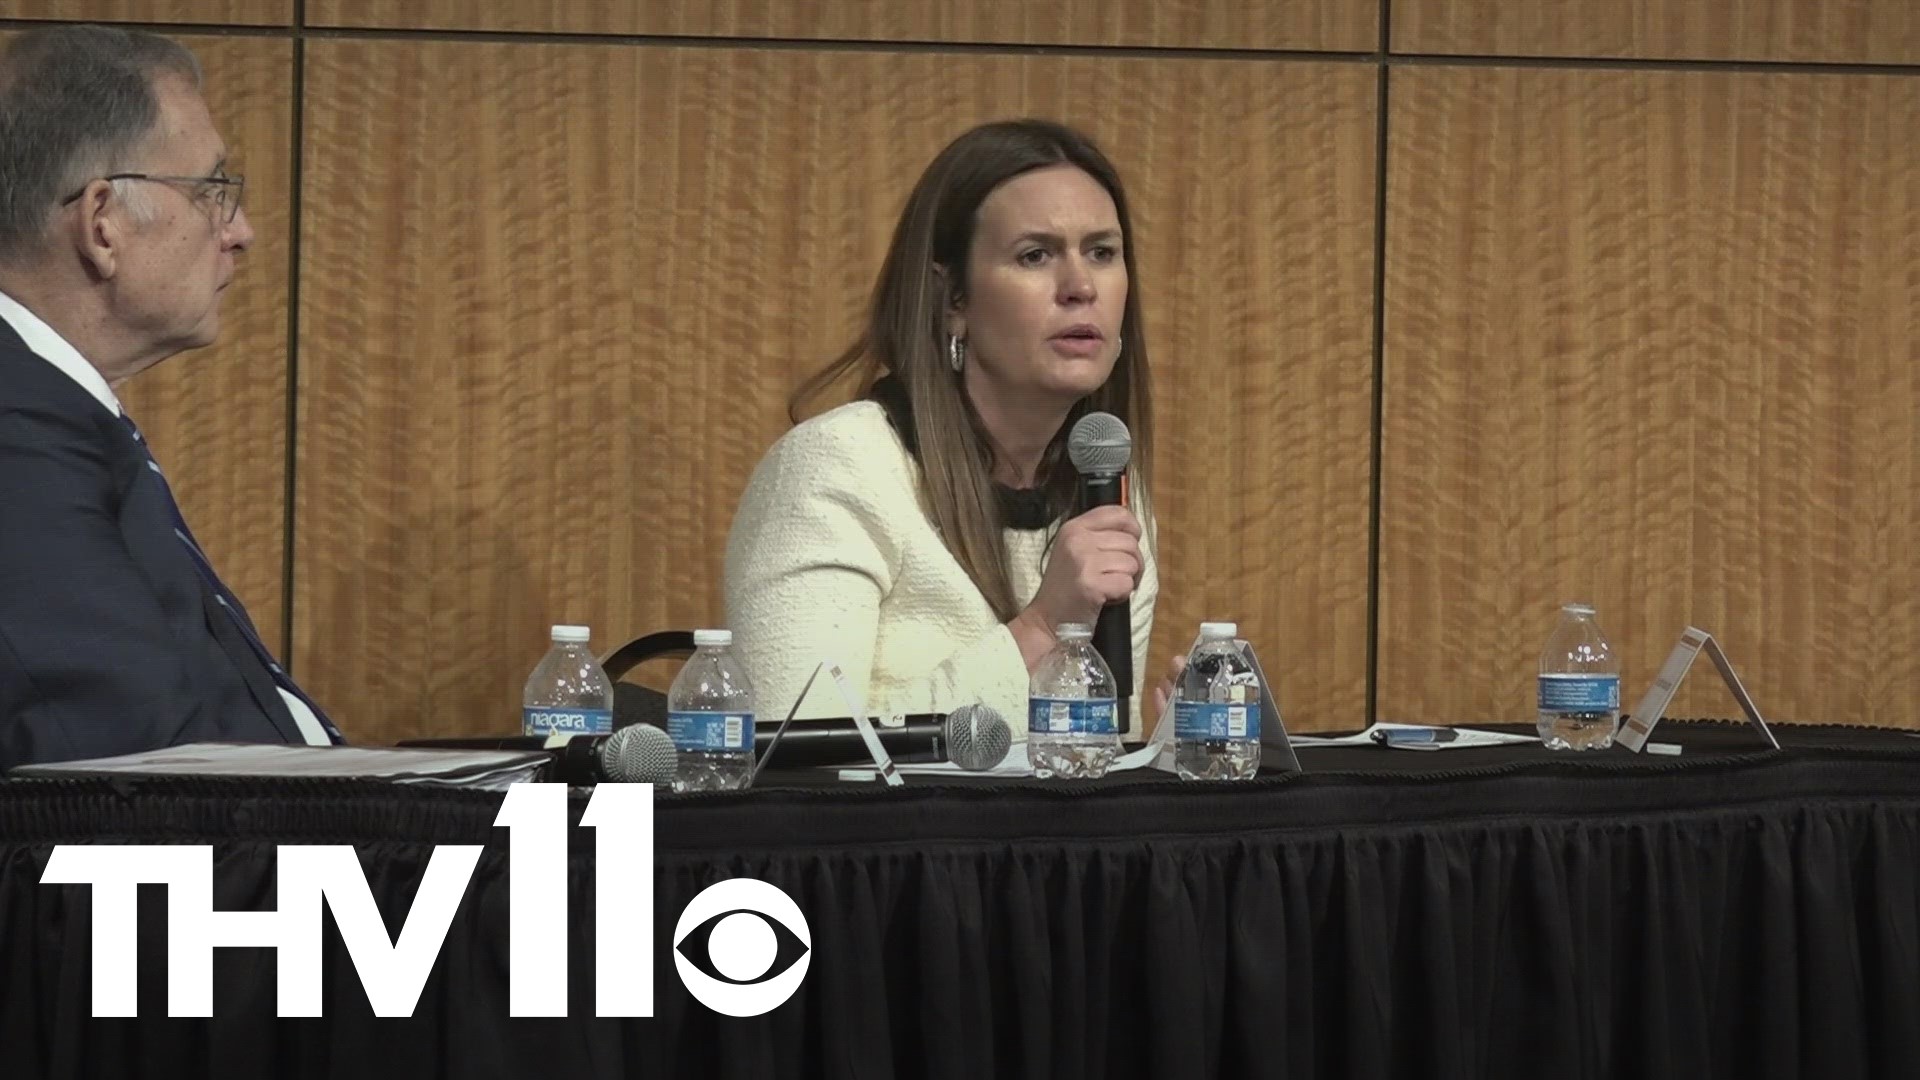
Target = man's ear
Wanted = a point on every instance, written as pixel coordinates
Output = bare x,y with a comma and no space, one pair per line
97,229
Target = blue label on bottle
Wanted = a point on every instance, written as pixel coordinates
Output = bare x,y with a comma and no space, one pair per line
1216,720
1579,693
566,721
1070,716
711,732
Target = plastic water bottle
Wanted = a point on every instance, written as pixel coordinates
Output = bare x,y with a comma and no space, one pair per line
568,693
1070,709
710,717
1579,684
1216,709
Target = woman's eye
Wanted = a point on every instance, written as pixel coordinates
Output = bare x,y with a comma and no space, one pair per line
1033,256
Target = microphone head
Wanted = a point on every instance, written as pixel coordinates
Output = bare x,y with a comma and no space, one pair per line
977,737
638,754
1100,445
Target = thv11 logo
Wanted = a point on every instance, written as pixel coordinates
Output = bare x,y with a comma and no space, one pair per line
743,925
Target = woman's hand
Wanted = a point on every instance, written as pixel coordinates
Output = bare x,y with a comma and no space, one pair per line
1095,561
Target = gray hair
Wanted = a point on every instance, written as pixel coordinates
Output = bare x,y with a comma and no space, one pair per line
75,103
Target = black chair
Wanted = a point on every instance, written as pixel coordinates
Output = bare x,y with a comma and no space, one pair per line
634,703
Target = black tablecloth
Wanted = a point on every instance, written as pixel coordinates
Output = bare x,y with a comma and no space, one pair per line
1731,912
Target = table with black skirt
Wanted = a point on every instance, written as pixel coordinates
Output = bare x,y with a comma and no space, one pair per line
1733,911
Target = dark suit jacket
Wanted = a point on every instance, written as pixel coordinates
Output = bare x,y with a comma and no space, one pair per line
110,640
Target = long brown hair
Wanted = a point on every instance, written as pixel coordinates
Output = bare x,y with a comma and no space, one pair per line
905,336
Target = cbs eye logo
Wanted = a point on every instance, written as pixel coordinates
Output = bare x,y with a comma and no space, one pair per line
742,947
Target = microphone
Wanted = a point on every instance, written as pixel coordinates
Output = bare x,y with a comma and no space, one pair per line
1100,447
973,737
837,742
636,754
978,737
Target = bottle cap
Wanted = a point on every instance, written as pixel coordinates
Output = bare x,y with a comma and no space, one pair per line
1577,609
1073,631
570,634
722,638
1211,631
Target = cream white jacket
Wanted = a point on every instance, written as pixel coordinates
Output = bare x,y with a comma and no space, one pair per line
831,557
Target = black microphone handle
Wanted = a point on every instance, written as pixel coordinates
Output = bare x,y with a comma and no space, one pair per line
1099,490
838,742
1113,631
1113,640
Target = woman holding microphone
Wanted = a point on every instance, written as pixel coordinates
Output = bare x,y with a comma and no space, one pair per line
924,537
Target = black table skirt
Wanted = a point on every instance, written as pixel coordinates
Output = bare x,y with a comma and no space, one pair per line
1464,914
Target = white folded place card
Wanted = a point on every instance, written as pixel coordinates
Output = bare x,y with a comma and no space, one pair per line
1276,749
1693,641
882,761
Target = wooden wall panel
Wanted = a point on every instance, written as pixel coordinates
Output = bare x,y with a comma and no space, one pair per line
554,298
1341,25
1651,343
219,12
1825,31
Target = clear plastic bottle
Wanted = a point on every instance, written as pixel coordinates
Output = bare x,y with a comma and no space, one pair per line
1216,709
710,717
569,692
1579,684
1070,709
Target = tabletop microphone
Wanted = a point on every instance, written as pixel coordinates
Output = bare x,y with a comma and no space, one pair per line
805,743
636,754
978,737
973,737
1101,448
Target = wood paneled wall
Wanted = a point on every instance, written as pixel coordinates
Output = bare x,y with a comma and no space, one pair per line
200,12
1644,333
1651,344
1795,31
1323,25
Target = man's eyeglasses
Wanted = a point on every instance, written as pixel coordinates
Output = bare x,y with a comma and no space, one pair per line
224,191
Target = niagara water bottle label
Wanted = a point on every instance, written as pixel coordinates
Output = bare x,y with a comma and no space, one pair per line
566,721
710,730
1216,720
1579,693
1070,716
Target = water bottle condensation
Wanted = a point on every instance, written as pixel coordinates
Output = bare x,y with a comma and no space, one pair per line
569,692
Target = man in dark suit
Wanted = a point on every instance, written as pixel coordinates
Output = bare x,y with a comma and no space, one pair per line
119,229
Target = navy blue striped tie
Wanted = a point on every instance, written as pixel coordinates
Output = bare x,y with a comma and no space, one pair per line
225,598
